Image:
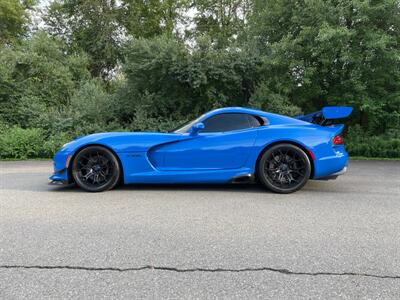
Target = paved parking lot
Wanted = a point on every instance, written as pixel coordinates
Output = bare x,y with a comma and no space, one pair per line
335,239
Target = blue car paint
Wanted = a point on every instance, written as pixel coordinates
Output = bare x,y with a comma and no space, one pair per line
336,112
152,157
328,113
206,151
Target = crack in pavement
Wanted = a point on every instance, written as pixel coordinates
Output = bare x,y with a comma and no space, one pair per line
192,270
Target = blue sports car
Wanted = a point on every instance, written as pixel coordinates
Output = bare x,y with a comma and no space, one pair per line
225,145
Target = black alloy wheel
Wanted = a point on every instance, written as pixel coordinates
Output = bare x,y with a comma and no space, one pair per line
284,168
96,169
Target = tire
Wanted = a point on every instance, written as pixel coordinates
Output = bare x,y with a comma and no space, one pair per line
96,169
284,168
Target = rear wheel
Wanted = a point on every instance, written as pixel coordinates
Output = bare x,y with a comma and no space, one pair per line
96,169
284,168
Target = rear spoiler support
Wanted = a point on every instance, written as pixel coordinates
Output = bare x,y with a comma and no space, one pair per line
327,113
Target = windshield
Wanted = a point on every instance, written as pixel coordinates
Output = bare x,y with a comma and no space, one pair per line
186,127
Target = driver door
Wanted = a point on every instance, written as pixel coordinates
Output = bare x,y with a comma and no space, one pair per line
224,143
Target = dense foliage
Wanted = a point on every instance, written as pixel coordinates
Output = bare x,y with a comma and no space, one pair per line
334,52
14,18
103,65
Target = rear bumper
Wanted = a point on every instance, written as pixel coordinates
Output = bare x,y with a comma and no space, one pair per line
334,175
341,172
331,166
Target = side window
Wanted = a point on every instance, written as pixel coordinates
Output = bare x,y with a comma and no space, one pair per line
227,122
255,121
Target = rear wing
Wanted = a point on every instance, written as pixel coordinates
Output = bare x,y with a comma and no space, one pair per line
327,113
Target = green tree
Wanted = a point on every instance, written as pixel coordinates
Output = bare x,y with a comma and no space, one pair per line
167,80
91,26
222,20
37,80
319,52
14,18
143,18
265,99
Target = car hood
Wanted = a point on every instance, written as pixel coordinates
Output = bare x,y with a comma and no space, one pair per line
124,141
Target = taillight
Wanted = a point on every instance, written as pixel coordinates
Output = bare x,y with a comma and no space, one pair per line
337,140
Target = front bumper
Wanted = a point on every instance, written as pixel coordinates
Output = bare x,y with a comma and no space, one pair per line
60,176
60,164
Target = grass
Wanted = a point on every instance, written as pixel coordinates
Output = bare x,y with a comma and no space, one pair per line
18,159
373,158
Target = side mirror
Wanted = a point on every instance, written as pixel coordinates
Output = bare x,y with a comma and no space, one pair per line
196,128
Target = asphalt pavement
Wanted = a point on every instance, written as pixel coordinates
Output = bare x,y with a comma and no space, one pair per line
333,239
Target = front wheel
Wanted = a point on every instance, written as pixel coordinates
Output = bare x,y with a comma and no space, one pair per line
96,169
284,168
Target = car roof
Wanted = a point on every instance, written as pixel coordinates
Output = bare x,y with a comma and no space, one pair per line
272,118
238,109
